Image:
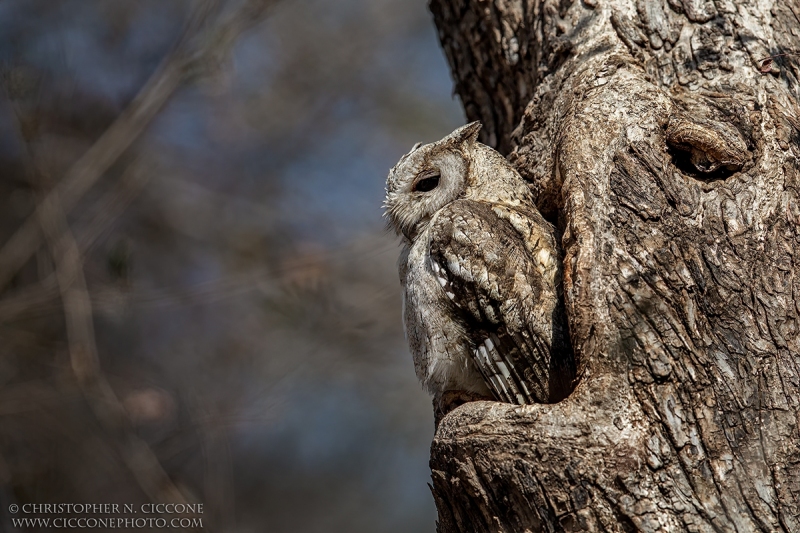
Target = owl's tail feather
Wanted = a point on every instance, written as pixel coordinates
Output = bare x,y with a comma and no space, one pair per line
508,371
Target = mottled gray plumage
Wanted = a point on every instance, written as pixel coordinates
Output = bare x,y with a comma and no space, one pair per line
479,271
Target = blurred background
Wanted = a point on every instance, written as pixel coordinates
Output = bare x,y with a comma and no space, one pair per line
199,299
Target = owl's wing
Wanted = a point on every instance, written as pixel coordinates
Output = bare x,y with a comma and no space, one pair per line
482,264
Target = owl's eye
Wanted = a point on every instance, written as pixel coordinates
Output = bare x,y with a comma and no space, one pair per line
426,184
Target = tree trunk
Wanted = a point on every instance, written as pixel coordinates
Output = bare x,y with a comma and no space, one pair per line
666,152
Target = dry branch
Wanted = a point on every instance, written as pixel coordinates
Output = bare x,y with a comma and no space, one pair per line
135,453
210,34
205,40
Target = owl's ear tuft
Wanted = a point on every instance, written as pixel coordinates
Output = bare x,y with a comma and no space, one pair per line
466,135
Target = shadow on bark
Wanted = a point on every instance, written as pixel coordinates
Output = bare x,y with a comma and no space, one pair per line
670,163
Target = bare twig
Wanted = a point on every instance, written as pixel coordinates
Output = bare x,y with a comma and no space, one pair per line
35,299
135,453
41,298
113,204
50,221
71,283
217,473
205,39
88,169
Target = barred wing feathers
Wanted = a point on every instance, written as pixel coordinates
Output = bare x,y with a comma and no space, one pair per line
491,275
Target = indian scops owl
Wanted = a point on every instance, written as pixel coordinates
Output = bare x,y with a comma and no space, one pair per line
480,274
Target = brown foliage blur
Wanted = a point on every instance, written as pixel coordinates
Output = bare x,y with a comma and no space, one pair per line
198,302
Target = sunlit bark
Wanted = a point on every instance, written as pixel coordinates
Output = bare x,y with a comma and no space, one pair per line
668,159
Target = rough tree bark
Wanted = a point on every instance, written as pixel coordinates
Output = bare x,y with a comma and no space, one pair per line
669,162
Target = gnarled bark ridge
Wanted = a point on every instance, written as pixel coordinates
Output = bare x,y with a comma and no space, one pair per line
669,162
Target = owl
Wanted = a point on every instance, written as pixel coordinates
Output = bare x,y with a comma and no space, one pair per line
480,272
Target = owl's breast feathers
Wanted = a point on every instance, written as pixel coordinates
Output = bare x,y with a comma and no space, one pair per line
497,265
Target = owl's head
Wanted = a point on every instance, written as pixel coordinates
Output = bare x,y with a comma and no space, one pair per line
428,178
